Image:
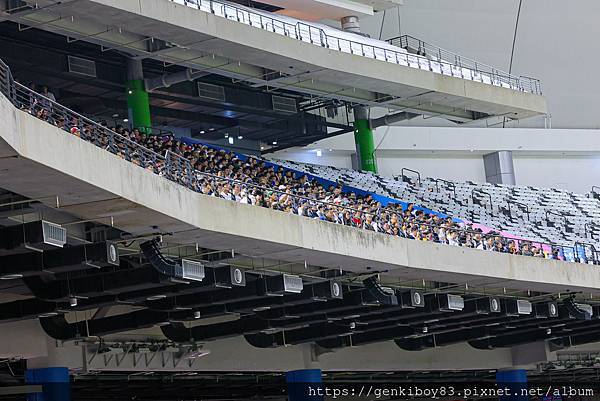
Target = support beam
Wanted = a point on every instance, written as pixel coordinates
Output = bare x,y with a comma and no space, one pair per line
363,138
138,103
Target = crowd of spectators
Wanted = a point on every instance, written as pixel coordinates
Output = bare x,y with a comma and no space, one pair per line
250,180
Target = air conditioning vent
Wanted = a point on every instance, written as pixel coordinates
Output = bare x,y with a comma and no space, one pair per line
54,234
285,104
209,91
82,66
192,270
292,284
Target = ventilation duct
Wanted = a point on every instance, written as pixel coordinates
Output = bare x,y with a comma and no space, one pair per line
488,305
57,327
121,282
60,260
412,299
229,277
282,284
187,270
167,80
38,236
331,289
515,307
450,303
384,295
82,66
546,310
577,311
391,119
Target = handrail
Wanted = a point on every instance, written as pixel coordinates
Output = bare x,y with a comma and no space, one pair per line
426,49
521,205
482,192
175,167
412,171
556,213
584,246
448,183
316,35
589,230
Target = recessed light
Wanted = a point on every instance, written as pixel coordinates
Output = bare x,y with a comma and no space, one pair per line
202,132
115,115
240,137
274,142
156,297
231,140
11,277
125,120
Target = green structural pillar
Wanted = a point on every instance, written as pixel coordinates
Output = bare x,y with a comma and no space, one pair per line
138,104
363,138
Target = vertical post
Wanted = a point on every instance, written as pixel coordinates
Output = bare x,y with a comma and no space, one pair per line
363,138
138,103
55,384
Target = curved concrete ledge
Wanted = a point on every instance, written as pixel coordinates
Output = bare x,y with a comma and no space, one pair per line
95,184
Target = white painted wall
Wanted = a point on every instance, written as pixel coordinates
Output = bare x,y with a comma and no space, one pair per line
555,42
567,159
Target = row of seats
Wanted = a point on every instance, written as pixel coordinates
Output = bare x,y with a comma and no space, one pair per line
325,36
539,214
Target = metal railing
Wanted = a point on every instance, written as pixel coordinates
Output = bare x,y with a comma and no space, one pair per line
451,64
176,168
486,72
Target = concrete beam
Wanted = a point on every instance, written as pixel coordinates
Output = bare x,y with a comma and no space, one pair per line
52,162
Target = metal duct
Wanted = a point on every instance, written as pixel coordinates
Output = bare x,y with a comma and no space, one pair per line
37,235
57,327
391,119
96,285
167,80
386,296
60,260
167,266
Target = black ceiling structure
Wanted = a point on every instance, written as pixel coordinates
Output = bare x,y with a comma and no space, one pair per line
41,58
274,309
264,307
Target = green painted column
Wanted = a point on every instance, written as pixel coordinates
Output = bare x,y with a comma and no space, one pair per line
363,138
138,105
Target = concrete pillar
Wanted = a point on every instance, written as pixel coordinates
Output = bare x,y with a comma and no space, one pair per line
363,134
364,141
138,103
55,384
499,168
514,382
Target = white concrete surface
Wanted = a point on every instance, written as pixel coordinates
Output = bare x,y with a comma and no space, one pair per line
553,158
95,184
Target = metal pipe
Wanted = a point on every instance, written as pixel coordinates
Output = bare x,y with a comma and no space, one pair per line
391,119
167,80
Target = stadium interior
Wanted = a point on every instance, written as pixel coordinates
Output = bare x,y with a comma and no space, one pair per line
238,200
